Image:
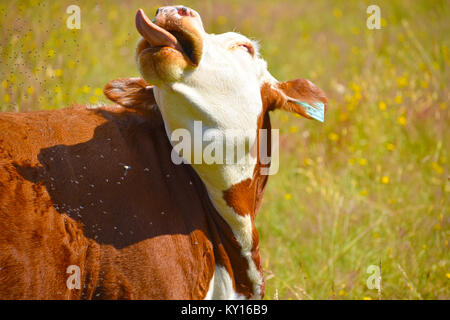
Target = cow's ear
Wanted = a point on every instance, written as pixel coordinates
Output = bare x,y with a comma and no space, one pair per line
300,96
133,93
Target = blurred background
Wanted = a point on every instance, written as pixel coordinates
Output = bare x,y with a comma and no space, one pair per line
368,187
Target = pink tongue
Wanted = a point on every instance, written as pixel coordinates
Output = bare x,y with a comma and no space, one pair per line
155,35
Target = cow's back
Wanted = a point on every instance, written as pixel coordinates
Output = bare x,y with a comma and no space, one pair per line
96,189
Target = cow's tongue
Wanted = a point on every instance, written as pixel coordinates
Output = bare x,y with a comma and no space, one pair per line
153,34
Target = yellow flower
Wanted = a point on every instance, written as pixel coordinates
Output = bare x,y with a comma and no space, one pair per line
363,161
85,89
308,161
437,168
6,98
390,146
402,82
355,87
398,99
401,120
343,116
447,275
288,196
93,99
51,53
293,129
98,91
367,298
337,13
57,89
58,73
5,84
383,22
382,105
385,179
424,84
30,90
333,136
363,192
342,292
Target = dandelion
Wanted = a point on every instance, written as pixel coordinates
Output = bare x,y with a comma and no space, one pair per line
367,298
307,162
6,98
437,168
58,73
342,293
343,117
383,22
363,161
98,91
402,82
390,146
385,179
333,136
5,84
363,192
30,90
424,84
398,99
93,99
51,53
401,120
288,196
57,89
337,13
447,275
382,105
85,89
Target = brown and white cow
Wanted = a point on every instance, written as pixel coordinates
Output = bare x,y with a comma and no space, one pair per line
97,190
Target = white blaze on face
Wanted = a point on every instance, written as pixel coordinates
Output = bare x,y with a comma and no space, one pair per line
224,93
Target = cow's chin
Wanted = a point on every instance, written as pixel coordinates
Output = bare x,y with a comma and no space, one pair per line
159,65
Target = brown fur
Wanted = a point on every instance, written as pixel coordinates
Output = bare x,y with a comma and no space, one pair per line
96,188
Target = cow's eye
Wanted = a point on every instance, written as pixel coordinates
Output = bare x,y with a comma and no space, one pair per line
248,47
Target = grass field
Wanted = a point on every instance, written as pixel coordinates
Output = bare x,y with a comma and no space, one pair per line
370,186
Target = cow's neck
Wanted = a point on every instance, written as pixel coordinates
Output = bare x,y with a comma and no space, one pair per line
237,200
234,189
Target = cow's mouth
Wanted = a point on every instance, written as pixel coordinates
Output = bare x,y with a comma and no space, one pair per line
170,33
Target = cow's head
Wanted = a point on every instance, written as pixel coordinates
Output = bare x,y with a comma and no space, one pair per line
219,79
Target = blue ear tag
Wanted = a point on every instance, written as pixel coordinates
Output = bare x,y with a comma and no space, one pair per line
315,111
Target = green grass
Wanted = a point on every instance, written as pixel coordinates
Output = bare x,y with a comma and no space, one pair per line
368,187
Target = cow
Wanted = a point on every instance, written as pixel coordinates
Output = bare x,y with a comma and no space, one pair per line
94,202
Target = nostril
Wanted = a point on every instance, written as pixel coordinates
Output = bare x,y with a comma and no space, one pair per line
183,11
